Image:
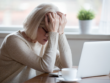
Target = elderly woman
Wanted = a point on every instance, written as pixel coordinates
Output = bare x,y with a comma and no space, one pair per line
33,51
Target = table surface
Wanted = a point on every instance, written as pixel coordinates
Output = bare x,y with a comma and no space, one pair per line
45,78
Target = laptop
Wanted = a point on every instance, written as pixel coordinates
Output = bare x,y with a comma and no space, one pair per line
95,59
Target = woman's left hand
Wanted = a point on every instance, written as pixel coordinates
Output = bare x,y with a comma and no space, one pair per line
62,22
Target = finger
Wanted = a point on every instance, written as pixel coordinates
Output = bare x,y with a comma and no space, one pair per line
65,14
59,19
53,14
56,16
46,21
50,16
60,14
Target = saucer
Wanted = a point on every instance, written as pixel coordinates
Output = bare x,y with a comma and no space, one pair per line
61,79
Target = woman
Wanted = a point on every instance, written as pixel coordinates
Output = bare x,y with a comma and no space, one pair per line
33,51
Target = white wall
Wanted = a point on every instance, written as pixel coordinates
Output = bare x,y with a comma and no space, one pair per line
76,44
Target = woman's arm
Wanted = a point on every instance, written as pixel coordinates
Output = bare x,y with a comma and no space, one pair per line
65,52
21,53
65,59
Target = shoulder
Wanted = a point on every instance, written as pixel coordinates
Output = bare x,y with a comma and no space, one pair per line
15,39
16,36
12,37
11,41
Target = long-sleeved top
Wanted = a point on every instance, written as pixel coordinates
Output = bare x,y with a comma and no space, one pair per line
21,60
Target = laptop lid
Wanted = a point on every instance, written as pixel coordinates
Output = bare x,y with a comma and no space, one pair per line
95,59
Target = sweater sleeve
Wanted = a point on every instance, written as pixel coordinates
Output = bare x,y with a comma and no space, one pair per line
64,56
21,53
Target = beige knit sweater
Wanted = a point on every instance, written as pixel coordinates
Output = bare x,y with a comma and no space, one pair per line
20,60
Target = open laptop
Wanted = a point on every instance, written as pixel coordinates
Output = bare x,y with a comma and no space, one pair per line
95,59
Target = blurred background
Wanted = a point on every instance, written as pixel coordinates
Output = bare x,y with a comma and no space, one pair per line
13,12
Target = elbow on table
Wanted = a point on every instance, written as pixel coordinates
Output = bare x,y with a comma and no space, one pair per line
49,70
46,67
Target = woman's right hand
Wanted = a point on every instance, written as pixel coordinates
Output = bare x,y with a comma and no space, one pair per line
52,22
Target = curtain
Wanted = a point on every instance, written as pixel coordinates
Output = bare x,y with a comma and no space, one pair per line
104,26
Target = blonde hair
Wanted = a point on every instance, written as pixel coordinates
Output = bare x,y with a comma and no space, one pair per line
34,19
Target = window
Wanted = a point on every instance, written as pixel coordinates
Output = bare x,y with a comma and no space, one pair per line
13,12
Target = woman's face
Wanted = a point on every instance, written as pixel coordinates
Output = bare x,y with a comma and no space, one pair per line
42,35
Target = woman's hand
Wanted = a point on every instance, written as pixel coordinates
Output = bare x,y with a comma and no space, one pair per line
62,22
52,22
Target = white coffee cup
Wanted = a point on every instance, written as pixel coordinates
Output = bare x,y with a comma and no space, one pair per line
69,74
